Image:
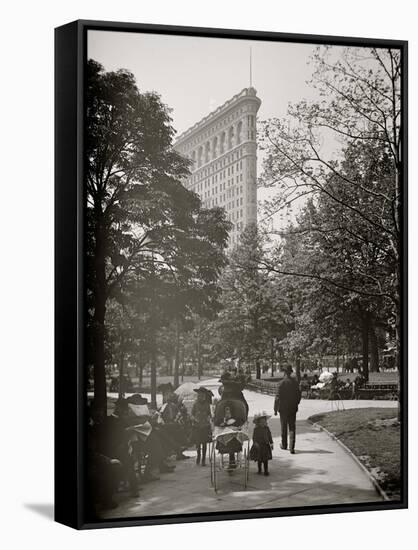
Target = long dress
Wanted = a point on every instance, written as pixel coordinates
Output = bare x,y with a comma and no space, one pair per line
262,441
201,429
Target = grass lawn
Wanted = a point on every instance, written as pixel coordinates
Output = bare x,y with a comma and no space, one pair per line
373,435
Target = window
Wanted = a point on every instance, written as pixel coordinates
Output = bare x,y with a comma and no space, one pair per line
230,137
222,143
207,151
239,132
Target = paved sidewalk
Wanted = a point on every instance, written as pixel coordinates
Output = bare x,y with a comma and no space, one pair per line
320,473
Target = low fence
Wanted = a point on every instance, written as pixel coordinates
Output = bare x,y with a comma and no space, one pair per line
368,391
379,391
262,386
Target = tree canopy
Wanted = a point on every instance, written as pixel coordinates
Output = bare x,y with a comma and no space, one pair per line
147,235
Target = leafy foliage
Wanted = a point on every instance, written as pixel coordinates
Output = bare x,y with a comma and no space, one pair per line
150,245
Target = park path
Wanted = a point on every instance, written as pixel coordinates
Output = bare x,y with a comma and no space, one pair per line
320,473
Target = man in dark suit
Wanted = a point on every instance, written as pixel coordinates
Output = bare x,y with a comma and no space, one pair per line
286,403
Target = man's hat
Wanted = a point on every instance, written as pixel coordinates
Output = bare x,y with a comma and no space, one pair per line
288,369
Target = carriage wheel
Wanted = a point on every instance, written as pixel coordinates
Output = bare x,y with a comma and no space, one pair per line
246,466
213,468
212,463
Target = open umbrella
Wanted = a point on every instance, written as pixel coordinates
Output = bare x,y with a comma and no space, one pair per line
187,395
186,390
326,377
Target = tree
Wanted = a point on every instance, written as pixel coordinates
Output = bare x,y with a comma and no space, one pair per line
250,320
142,223
354,187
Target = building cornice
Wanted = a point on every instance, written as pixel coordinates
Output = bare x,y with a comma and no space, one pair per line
243,96
224,155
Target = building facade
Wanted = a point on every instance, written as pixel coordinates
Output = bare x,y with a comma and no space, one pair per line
223,150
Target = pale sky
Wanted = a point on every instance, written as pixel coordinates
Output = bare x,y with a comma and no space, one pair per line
195,75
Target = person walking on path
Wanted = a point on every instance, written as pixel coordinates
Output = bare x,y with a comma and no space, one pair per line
286,404
262,442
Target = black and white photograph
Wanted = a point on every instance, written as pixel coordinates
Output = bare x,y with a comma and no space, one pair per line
243,275
209,255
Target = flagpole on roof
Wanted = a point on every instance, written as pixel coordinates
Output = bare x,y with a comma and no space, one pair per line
251,68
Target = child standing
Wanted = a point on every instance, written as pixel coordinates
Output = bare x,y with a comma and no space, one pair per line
201,424
262,442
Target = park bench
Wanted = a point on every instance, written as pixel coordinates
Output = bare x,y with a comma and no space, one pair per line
379,391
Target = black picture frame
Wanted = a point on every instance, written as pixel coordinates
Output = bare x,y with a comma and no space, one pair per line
70,383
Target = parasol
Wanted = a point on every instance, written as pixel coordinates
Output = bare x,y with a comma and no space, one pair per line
326,377
186,390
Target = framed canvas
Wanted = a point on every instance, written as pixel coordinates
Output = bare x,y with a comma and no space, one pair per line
231,274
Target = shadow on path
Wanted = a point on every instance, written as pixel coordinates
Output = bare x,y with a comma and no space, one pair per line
320,473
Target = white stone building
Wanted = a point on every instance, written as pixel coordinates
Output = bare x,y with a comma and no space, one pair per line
223,148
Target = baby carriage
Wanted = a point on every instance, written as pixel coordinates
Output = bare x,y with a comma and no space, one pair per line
230,448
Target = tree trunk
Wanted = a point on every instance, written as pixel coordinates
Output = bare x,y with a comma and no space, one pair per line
199,357
365,340
272,356
141,371
374,349
182,362
398,359
153,376
121,366
168,364
177,358
298,367
257,369
99,301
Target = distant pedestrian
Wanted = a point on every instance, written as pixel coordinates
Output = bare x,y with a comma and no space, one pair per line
262,442
333,388
286,403
359,382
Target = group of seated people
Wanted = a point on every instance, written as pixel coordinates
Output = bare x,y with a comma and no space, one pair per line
344,389
347,389
131,445
134,444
